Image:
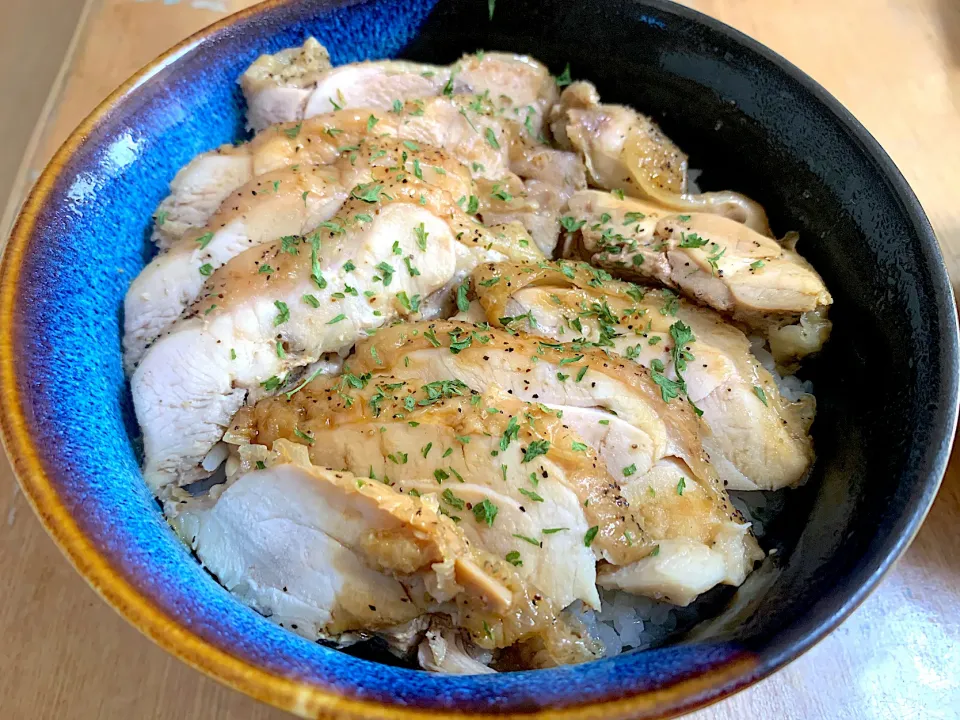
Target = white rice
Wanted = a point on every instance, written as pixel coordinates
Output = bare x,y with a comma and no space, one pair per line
791,387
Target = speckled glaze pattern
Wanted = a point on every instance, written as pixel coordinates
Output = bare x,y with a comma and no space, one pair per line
755,122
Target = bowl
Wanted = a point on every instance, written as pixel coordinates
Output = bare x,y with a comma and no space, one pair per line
887,382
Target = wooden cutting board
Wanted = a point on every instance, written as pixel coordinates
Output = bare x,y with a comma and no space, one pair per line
894,63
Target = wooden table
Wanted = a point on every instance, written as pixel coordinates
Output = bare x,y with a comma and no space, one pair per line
894,63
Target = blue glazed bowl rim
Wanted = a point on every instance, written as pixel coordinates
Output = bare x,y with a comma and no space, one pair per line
290,694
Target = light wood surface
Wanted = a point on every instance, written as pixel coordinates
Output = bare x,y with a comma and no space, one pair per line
34,34
895,64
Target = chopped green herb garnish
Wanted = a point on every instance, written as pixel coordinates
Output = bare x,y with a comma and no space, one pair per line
589,536
681,485
536,449
671,303
409,304
691,240
452,500
682,336
571,224
485,512
714,259
283,312
315,273
462,303
527,539
563,79
513,557
289,243
303,436
760,394
369,192
387,271
421,236
669,389
337,319
511,433
501,194
530,494
206,269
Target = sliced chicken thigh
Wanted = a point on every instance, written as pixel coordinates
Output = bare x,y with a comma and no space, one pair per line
625,150
369,85
324,552
278,307
440,438
536,190
580,378
721,263
511,81
283,82
477,140
334,552
471,134
283,203
198,189
289,202
758,440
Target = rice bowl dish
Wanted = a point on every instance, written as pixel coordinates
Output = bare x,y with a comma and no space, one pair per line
455,358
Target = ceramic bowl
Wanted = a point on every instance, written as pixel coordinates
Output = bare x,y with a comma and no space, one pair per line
886,383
